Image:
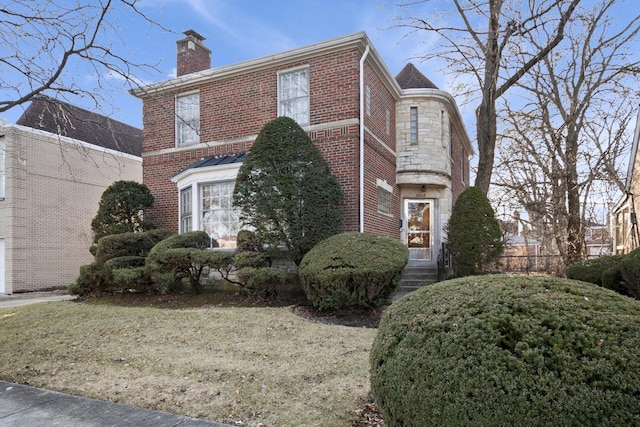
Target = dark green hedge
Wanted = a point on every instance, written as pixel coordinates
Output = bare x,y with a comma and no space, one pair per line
350,269
591,270
507,351
630,273
129,244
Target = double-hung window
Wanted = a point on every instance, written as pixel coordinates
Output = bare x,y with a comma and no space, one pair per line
293,95
186,208
187,119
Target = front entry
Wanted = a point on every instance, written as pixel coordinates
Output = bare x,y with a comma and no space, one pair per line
418,235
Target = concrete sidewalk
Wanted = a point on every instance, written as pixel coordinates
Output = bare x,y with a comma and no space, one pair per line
15,300
22,406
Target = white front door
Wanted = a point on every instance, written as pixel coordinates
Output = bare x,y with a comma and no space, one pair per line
418,235
2,285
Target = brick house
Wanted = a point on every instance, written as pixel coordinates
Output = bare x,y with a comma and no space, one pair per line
398,146
55,163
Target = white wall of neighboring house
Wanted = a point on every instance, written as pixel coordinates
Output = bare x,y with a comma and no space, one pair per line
53,186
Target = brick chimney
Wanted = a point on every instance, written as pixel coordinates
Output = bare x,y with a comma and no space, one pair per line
193,55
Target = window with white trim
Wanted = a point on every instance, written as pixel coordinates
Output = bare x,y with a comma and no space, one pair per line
186,208
293,95
187,119
413,120
385,195
218,217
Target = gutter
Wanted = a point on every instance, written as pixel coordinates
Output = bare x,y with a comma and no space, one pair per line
364,56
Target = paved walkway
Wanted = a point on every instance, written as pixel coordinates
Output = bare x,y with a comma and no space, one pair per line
15,300
22,406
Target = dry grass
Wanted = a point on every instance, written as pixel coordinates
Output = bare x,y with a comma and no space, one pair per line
255,365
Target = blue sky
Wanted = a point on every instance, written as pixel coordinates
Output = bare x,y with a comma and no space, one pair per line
238,30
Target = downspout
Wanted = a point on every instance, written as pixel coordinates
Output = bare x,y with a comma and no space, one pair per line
364,56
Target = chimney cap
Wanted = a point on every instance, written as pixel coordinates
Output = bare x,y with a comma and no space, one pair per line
194,34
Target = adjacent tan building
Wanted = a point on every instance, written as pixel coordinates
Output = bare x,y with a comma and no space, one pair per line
50,187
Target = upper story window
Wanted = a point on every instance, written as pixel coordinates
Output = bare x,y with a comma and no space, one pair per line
293,95
413,120
188,119
387,122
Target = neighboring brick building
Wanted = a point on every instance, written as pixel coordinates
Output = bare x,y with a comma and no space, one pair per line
55,164
413,164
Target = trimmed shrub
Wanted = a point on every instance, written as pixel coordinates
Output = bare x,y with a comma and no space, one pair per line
192,239
285,190
473,234
350,269
247,241
499,350
114,273
121,209
129,279
630,273
129,244
263,281
187,263
591,270
91,279
612,279
250,259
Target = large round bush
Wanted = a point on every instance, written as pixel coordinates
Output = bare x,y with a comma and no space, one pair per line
499,350
591,270
350,269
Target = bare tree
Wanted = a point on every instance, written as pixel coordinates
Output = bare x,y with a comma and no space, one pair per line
566,137
46,46
489,40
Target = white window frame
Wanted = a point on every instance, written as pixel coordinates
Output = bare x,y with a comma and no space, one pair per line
187,128
225,239
195,179
186,209
301,98
385,197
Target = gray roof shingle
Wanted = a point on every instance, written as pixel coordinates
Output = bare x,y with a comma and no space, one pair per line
60,118
411,78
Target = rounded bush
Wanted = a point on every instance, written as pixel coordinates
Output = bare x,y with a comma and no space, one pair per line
630,273
129,244
591,270
350,269
499,350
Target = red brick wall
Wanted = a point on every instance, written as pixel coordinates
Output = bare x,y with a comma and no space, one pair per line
379,161
239,106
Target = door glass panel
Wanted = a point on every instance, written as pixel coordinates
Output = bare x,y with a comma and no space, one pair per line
419,234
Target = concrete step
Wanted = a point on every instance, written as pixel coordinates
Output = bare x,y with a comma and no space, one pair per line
415,277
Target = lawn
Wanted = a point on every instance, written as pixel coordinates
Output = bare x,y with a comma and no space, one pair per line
255,365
